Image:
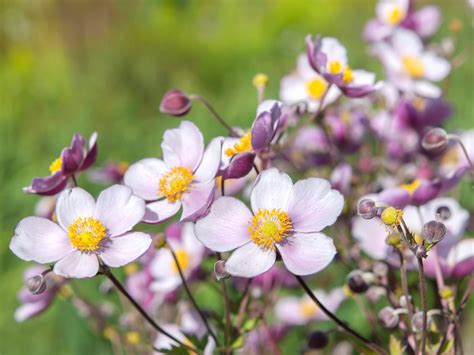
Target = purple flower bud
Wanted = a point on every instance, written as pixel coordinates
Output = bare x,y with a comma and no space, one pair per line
435,140
318,340
36,284
417,322
357,281
219,270
388,317
175,103
367,209
240,165
443,212
434,232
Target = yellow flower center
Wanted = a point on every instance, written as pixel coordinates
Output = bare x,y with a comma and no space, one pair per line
335,67
183,260
242,146
260,80
308,308
86,233
413,66
395,16
316,88
175,183
133,337
411,186
391,216
56,166
269,227
347,76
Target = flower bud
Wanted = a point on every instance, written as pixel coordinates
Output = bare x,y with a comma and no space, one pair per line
318,340
391,216
435,140
367,209
434,232
388,317
175,103
357,281
417,322
219,270
36,284
443,212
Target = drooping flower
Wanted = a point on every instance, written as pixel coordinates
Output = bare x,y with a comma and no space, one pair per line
411,68
284,217
73,159
294,310
184,178
305,85
86,232
328,57
189,252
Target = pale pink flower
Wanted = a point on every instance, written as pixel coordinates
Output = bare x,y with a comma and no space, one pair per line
184,178
86,232
284,217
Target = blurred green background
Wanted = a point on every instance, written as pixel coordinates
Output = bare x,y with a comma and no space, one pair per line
84,66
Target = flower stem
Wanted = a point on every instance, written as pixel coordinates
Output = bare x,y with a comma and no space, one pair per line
106,271
193,301
424,306
339,322
227,329
214,113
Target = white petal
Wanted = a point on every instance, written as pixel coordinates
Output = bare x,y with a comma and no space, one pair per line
370,235
305,254
125,248
183,146
436,68
250,260
363,77
197,199
159,211
119,209
462,251
288,311
144,178
77,265
427,89
272,189
225,227
29,310
314,205
407,42
210,161
40,240
334,50
293,89
72,204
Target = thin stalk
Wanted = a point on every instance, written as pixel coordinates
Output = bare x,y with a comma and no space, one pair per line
339,322
74,181
461,144
424,306
227,327
191,298
215,114
145,315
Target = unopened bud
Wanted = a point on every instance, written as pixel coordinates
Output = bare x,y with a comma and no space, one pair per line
388,317
219,270
367,209
380,269
434,232
318,340
435,140
417,322
36,284
421,251
443,213
175,103
358,281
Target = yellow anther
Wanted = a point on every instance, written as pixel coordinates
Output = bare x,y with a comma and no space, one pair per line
55,166
183,260
260,80
413,66
86,233
242,146
316,88
175,183
391,216
268,227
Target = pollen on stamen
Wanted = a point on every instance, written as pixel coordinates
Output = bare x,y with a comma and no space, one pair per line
316,88
86,234
268,227
175,183
55,166
242,146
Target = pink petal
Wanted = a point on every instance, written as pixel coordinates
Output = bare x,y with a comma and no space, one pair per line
288,311
250,260
210,161
305,254
370,235
196,200
160,211
125,248
144,178
40,240
272,189
72,204
183,146
118,209
77,265
314,205
225,227
29,310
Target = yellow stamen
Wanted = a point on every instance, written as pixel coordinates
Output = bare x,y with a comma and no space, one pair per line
86,233
131,268
412,186
175,183
413,66
418,239
242,146
335,67
316,88
395,16
260,80
133,337
56,166
269,227
391,216
308,308
183,260
347,76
